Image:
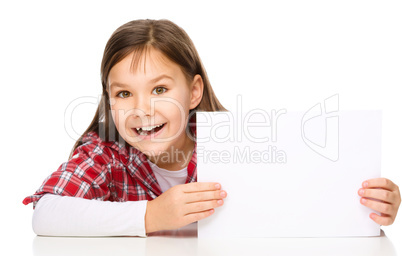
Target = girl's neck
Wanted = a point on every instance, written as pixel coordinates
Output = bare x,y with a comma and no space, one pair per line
176,158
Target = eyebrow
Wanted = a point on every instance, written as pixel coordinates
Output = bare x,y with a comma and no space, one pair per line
164,76
153,80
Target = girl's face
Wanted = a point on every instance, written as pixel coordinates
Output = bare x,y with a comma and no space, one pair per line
150,103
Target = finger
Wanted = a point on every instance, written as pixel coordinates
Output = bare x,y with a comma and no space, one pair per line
204,196
384,219
380,194
200,186
377,206
202,206
380,183
190,218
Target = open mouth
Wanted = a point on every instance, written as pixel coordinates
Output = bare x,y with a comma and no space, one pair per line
145,131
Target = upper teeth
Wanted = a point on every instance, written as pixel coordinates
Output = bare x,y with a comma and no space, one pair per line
148,128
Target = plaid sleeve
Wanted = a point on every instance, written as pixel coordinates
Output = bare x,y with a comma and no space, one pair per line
86,175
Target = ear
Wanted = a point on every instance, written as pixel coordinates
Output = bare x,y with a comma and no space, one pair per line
197,89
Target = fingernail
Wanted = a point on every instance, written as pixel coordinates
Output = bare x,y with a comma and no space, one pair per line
361,192
217,185
220,202
364,200
223,194
365,184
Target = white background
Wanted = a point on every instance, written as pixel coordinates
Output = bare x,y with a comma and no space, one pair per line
276,54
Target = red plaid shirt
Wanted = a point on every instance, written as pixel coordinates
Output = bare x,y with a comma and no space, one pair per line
106,171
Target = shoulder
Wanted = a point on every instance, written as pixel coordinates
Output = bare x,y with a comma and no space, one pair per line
96,148
114,152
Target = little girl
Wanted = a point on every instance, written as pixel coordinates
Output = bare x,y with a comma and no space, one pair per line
138,156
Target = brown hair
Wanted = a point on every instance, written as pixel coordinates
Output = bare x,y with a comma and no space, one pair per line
138,36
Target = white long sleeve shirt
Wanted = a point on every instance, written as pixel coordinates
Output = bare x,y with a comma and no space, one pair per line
56,215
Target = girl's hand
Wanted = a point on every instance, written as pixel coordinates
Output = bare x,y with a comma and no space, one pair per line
381,195
182,205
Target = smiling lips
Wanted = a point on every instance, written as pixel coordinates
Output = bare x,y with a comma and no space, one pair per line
147,130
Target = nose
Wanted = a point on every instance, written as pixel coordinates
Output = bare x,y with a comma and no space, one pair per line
142,107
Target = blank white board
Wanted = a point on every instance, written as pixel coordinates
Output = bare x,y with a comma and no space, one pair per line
287,173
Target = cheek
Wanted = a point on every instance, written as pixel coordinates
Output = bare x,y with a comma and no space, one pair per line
119,118
115,116
121,121
174,109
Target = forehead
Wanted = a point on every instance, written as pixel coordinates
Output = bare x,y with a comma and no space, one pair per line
144,63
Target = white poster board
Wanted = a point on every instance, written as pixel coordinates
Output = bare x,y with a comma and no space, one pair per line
289,174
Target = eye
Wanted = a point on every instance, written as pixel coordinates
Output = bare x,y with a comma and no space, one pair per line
159,90
124,94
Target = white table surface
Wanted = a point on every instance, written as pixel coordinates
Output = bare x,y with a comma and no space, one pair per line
185,242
